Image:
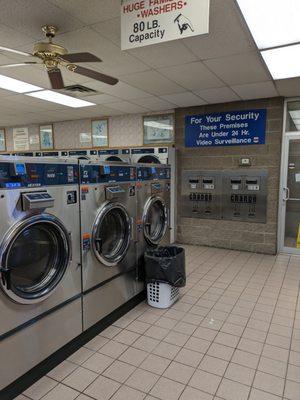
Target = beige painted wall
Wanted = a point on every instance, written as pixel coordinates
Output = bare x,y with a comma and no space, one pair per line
124,131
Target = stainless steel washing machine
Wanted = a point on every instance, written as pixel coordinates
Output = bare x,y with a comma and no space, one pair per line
40,285
108,231
115,155
153,208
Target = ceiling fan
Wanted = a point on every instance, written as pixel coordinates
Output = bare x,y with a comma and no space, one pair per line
54,56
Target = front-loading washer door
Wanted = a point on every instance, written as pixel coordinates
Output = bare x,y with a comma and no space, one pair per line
111,234
155,220
149,159
34,257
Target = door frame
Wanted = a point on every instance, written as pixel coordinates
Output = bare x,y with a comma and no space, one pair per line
286,137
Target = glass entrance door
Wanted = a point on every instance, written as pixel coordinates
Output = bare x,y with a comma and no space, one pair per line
290,195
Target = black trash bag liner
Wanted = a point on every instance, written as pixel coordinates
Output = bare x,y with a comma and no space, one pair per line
166,264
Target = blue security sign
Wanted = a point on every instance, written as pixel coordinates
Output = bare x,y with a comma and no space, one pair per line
226,129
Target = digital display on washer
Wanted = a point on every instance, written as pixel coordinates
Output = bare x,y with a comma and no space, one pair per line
20,169
106,169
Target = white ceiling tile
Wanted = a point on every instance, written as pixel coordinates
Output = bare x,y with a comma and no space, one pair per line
27,16
192,76
110,29
31,104
10,37
186,99
121,90
227,33
90,11
239,69
99,98
152,82
154,103
256,90
288,87
164,54
217,95
127,107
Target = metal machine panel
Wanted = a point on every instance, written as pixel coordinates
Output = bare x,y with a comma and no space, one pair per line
245,195
201,194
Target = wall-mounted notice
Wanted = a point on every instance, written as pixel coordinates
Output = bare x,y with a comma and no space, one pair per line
21,139
145,22
85,137
236,128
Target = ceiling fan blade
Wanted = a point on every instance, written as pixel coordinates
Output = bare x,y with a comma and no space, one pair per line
22,53
80,57
18,64
93,74
56,79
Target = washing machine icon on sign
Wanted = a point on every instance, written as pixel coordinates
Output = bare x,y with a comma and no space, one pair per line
183,23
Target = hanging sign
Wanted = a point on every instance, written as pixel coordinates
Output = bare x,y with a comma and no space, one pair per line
21,139
145,22
237,128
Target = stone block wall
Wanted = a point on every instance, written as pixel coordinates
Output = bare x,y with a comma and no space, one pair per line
255,237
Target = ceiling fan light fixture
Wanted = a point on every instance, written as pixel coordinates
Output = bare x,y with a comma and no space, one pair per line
59,98
15,85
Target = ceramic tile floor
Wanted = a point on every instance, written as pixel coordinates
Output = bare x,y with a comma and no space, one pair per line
233,335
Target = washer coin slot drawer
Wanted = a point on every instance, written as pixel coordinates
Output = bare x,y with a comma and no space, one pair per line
37,200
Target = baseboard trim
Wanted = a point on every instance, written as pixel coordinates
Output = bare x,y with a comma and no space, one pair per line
29,378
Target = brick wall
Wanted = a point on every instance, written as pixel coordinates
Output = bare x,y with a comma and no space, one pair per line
256,237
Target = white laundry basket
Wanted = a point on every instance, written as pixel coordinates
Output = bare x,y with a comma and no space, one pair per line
161,295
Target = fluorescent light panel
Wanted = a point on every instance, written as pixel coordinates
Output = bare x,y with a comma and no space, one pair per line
283,62
15,85
59,98
14,51
272,22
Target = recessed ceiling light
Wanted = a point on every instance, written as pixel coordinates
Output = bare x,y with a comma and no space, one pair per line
283,62
59,98
272,23
16,86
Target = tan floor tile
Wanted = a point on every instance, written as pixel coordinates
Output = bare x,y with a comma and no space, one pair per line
220,351
230,390
155,364
80,379
276,353
62,370
292,390
179,372
184,327
102,388
126,337
272,367
260,395
279,341
157,332
239,373
211,323
142,380
295,358
250,346
205,333
21,397
166,350
189,357
196,344
165,389
110,332
293,373
213,365
174,314
138,327
179,339
96,343
133,356
190,393
81,355
127,393
98,363
167,323
269,383
254,334
61,392
205,381
227,339
192,319
113,349
119,371
145,343
232,329
40,388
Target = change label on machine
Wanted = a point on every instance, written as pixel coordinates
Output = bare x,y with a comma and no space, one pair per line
145,22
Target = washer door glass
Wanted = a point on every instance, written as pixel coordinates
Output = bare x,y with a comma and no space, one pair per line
35,260
155,220
112,233
149,160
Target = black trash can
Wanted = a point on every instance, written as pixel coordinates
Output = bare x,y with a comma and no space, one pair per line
165,274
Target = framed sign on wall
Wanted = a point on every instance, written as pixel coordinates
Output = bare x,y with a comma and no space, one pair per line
46,137
100,132
159,128
2,140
